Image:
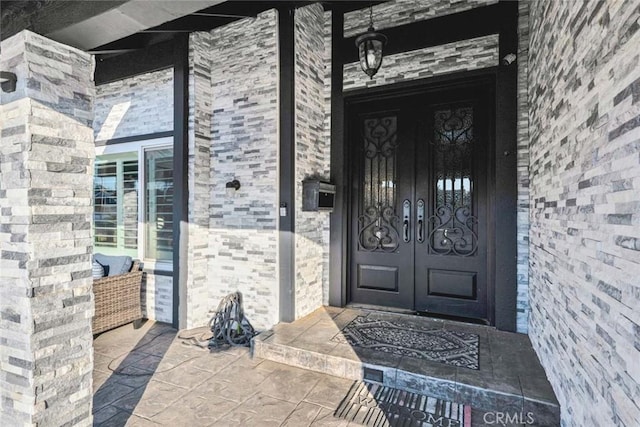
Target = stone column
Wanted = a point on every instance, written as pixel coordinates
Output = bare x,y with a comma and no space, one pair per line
46,169
199,171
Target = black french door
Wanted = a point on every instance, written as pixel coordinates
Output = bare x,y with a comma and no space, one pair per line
418,226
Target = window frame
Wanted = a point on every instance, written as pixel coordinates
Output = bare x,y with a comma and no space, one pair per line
140,147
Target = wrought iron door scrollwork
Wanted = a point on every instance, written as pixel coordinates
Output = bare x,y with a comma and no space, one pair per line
378,229
378,222
380,137
452,232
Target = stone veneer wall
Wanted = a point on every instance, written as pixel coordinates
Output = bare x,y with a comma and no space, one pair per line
199,179
584,111
312,157
157,297
243,235
400,12
326,132
522,166
473,54
46,218
134,106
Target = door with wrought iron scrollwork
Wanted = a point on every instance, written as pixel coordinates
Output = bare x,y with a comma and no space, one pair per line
418,203
452,156
382,174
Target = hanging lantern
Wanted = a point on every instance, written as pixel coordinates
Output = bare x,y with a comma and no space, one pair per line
370,45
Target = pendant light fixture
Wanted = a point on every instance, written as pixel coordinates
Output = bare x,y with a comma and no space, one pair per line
370,45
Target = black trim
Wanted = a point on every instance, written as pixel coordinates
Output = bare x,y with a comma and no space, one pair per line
506,194
134,138
180,178
338,221
287,181
153,58
476,22
345,6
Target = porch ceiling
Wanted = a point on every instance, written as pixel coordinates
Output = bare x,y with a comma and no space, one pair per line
109,28
87,25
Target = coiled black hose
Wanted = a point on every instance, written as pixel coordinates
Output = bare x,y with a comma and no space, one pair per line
229,325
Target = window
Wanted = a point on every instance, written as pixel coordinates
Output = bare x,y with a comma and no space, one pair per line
133,201
159,206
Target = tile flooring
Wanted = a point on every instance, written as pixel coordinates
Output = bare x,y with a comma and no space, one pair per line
160,381
149,377
509,379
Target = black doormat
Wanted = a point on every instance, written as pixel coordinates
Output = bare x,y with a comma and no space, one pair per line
395,337
376,405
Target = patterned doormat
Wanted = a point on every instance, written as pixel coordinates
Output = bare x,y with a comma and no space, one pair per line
375,405
395,337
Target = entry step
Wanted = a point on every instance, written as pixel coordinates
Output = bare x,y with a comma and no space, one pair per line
478,366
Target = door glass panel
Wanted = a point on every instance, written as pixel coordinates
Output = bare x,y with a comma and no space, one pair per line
377,218
452,226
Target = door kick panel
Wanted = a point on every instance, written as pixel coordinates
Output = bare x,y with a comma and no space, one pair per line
453,284
376,277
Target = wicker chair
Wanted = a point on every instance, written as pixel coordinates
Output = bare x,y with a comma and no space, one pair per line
117,299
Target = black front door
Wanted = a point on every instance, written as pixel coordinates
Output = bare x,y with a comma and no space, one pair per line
418,229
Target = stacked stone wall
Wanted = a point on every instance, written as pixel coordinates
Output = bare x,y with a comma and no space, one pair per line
134,106
46,241
199,179
312,157
584,114
243,234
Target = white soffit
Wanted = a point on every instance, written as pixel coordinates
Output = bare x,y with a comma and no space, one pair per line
124,20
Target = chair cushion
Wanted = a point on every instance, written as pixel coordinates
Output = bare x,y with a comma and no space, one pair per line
114,265
97,270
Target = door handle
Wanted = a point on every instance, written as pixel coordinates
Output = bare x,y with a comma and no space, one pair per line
420,219
406,218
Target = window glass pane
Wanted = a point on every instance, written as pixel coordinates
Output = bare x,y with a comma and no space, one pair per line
116,201
159,204
130,204
105,214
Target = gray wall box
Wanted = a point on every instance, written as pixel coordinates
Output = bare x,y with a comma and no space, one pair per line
317,195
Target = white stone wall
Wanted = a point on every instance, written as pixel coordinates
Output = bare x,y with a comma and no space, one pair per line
400,12
157,297
473,54
46,223
584,112
134,106
243,236
312,157
197,303
326,134
522,308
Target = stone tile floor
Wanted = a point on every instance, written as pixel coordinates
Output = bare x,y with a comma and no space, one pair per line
161,381
509,379
158,380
